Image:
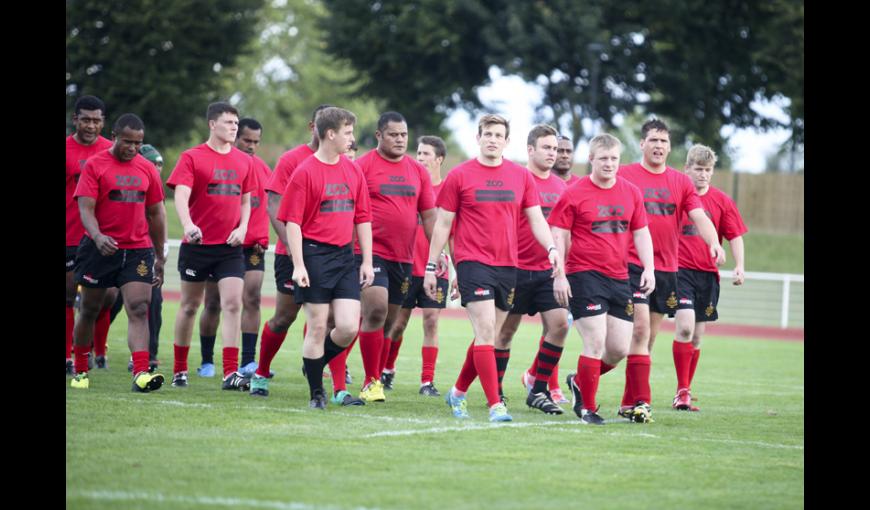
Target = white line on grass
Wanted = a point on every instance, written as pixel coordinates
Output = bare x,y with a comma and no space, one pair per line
470,426
205,500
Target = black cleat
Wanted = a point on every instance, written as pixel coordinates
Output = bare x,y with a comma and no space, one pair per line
344,398
543,402
591,418
70,368
101,362
236,381
387,380
91,360
318,400
153,364
576,396
641,413
179,380
429,390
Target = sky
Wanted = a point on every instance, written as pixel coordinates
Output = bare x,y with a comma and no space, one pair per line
516,99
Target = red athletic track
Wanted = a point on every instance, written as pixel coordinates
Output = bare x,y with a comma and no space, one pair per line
713,328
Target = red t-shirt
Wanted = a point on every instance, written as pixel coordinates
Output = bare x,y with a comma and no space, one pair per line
421,244
217,182
398,192
122,191
287,163
326,200
532,256
694,253
572,179
602,222
76,155
666,197
258,224
488,202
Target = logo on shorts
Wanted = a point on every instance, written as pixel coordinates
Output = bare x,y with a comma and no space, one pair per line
289,285
685,301
377,269
190,272
71,263
439,295
255,259
142,269
638,295
593,307
405,286
709,310
629,308
90,279
510,298
481,292
672,301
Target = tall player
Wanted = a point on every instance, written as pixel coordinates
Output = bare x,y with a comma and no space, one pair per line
254,248
88,117
120,198
668,195
480,195
213,183
431,152
325,201
399,189
534,287
698,276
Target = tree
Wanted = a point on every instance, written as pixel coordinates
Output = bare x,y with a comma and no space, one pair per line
159,59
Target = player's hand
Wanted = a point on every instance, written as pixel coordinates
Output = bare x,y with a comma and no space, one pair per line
366,275
718,253
556,262
739,277
300,276
236,237
259,249
193,234
157,280
443,266
562,290
430,285
105,245
647,281
454,290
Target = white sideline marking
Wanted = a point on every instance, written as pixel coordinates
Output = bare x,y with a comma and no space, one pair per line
206,500
470,426
756,443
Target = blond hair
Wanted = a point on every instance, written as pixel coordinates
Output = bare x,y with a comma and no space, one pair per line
603,141
700,155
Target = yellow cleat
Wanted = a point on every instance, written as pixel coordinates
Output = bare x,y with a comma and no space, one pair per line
80,381
143,382
373,391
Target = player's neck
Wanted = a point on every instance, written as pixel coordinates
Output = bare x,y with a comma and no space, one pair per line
540,174
702,191
493,162
655,169
219,146
563,175
602,183
80,142
314,144
435,176
327,155
388,158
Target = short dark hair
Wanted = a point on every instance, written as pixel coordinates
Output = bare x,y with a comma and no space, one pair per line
540,131
436,142
318,109
128,120
653,124
90,103
217,109
249,123
563,137
333,118
388,117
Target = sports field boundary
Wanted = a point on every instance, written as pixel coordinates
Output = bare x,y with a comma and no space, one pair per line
713,328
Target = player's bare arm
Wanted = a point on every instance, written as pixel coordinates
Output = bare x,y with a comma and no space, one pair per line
192,233
561,287
643,243
708,234
737,252
105,244
237,236
272,206
366,268
155,214
440,233
294,246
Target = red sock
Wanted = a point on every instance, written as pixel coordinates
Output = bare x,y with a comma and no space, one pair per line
140,361
430,356
468,372
626,395
695,355
81,361
606,368
386,346
337,368
231,360
484,362
371,344
395,345
270,342
534,368
553,382
683,353
70,325
639,365
101,331
180,358
588,372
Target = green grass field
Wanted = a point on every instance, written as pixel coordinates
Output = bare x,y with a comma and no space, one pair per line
202,447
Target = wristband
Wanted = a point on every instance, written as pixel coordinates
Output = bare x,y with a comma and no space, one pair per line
431,267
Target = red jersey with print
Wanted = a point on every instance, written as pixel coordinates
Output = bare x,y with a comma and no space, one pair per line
284,169
258,224
217,182
601,222
488,202
326,200
532,256
421,244
398,192
722,211
667,197
76,156
122,191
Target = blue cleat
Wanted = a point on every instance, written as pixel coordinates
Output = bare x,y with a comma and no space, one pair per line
206,370
457,404
499,412
249,369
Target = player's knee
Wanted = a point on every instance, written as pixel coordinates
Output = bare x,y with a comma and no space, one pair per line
376,315
212,306
251,301
89,311
430,325
559,331
343,334
137,310
684,333
189,309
